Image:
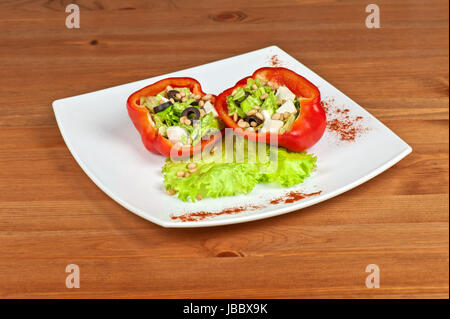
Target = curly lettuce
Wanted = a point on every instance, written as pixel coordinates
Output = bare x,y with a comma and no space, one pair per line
237,172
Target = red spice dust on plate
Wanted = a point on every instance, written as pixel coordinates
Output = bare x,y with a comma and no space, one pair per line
291,197
274,61
342,123
197,216
287,198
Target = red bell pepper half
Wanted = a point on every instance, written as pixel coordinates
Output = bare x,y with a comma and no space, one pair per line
309,126
143,122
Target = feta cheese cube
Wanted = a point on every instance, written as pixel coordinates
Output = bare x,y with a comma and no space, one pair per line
288,106
272,126
162,130
266,115
163,98
208,107
175,133
283,93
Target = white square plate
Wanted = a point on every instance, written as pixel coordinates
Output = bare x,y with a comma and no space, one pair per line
104,142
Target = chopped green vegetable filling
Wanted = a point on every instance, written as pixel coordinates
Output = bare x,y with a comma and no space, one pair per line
263,101
174,108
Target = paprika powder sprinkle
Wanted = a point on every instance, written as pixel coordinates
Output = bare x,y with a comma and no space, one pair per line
288,198
197,216
339,121
291,197
274,61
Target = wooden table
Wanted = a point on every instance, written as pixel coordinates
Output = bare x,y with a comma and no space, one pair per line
52,214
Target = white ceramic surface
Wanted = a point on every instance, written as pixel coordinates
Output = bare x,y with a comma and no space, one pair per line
104,142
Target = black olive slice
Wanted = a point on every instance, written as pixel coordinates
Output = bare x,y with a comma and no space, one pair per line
254,118
191,113
172,94
195,103
162,107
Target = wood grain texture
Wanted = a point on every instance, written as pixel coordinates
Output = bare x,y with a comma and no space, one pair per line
51,214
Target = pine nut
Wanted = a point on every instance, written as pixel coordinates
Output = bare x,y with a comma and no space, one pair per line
169,88
286,115
202,113
187,174
172,100
242,123
276,116
184,99
260,116
183,94
187,121
193,170
263,96
171,192
251,112
201,103
278,102
254,124
254,87
235,117
281,117
256,107
180,173
191,165
199,197
178,96
234,92
207,97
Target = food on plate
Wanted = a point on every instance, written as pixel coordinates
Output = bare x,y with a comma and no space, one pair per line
274,106
175,117
228,171
274,101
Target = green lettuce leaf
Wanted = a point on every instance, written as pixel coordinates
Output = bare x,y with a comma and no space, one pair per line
166,117
240,94
228,173
270,103
292,168
249,102
233,108
206,126
179,107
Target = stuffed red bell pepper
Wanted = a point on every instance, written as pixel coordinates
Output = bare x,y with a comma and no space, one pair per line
175,117
274,104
